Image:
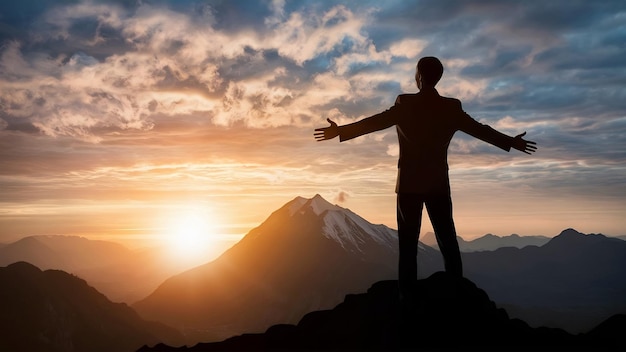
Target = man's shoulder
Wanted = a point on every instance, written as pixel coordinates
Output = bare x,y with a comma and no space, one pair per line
407,96
417,97
450,100
405,100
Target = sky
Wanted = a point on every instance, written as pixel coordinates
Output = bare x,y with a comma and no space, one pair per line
121,119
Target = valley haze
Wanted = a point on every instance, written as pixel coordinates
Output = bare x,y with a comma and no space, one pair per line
309,254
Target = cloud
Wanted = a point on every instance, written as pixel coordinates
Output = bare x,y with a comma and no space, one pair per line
101,92
175,64
409,48
296,62
341,197
306,35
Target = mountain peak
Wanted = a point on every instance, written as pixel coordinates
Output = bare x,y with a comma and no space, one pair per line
317,204
23,268
320,205
53,310
570,232
296,204
575,239
341,225
573,235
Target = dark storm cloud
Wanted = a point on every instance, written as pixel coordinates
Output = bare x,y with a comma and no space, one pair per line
564,15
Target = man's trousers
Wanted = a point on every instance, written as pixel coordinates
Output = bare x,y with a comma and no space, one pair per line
409,214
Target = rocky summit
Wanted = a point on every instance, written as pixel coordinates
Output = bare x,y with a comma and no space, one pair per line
445,313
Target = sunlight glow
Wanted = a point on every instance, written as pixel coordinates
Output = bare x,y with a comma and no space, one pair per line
190,234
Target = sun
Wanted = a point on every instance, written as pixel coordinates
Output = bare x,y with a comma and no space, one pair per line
189,235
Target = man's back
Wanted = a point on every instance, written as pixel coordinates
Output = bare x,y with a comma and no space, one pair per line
425,122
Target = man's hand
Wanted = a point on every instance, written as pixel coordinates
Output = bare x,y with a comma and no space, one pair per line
523,145
325,133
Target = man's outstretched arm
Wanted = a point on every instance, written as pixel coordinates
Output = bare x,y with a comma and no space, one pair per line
367,125
523,145
492,136
326,133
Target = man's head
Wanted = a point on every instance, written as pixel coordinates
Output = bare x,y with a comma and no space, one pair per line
429,71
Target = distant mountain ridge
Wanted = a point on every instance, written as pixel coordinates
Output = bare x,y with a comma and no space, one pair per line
55,311
305,256
309,254
574,281
490,242
122,274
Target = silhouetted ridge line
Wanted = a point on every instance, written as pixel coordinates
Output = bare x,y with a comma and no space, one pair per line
54,311
122,274
489,242
446,313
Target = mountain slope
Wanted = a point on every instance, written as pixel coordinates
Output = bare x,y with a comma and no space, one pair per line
306,256
31,250
62,252
54,311
123,275
451,314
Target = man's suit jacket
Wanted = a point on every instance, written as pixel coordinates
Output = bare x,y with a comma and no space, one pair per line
425,123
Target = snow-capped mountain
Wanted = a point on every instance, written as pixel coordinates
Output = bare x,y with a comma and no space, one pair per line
306,256
357,235
351,231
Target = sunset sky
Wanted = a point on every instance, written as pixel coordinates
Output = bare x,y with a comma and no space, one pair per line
132,119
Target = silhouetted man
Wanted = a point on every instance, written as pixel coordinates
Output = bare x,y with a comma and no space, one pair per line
425,123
